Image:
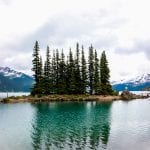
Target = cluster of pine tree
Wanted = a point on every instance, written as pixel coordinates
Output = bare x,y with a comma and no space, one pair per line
72,74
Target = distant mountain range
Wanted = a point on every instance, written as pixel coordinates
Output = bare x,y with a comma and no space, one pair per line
135,84
13,81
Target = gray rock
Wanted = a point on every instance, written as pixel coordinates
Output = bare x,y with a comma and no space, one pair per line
126,95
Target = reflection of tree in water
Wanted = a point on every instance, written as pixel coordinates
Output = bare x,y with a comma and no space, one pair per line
100,126
70,126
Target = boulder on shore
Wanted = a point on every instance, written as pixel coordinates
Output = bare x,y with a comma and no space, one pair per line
126,95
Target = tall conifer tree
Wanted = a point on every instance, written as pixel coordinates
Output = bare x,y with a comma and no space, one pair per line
77,71
104,75
47,73
57,71
62,75
91,70
71,74
67,76
37,70
47,66
40,69
83,73
96,75
54,73
36,62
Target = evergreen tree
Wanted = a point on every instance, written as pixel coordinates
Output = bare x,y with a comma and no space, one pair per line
106,88
47,66
40,69
67,75
57,71
54,73
37,69
77,71
71,75
47,73
83,73
41,87
96,75
62,75
36,61
91,70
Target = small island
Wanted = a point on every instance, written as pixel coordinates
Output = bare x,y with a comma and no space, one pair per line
125,96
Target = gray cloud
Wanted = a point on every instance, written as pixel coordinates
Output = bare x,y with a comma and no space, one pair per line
57,30
122,74
139,46
62,30
6,2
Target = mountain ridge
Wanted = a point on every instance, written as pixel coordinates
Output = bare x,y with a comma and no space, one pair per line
134,84
14,81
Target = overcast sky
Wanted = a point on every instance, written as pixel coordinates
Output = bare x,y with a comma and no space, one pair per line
121,27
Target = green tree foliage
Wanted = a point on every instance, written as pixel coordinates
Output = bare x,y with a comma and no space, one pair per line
47,79
91,69
57,72
71,74
54,73
62,75
36,62
37,69
96,75
47,66
40,69
77,71
104,75
71,87
83,73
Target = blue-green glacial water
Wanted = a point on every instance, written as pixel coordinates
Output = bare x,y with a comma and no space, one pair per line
75,126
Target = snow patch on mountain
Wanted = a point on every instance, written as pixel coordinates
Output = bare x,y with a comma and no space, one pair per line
6,71
11,80
137,80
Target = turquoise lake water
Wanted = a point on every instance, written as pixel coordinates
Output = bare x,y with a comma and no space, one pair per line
75,126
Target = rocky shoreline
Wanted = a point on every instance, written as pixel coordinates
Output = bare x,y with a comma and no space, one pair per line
126,95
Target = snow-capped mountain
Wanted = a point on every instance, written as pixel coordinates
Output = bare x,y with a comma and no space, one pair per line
135,84
11,80
7,72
